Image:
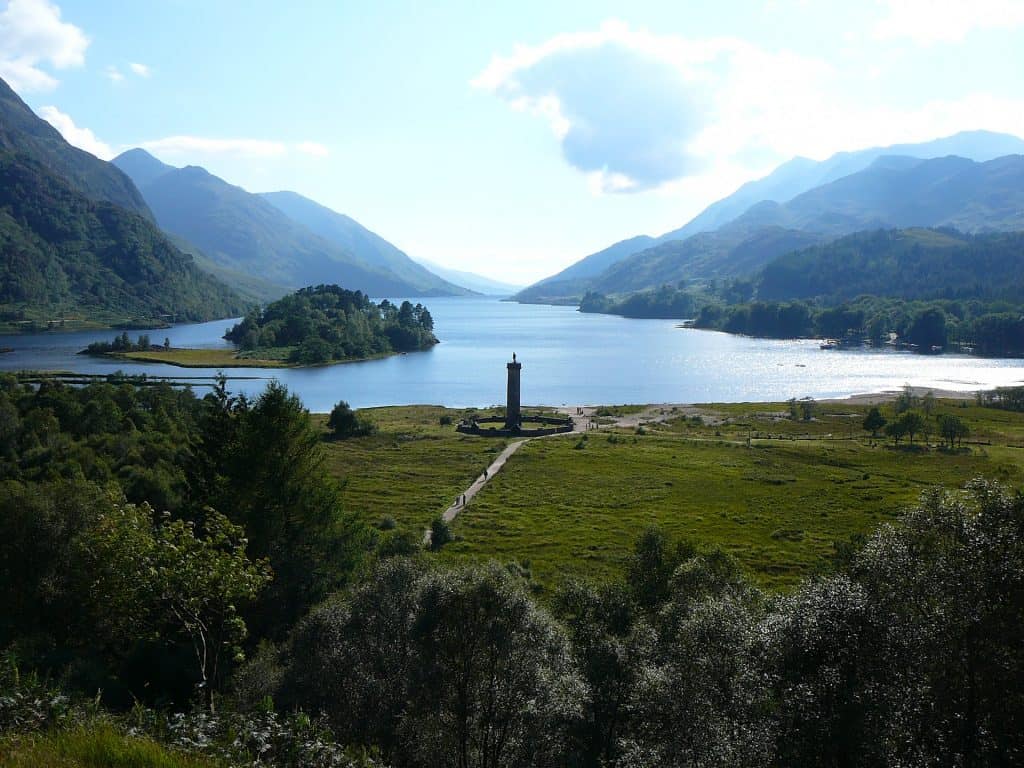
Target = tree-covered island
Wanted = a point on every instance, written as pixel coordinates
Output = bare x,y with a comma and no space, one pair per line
313,326
328,323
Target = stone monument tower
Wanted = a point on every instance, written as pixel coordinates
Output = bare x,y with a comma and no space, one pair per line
512,416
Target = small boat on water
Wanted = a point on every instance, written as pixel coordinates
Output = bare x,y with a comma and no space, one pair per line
830,344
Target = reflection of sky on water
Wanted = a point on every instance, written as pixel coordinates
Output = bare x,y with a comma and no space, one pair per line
567,357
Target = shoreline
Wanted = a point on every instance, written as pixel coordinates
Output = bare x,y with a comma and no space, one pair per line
646,409
223,358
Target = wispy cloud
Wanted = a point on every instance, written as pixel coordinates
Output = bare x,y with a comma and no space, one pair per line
313,148
32,34
945,21
181,148
114,74
202,145
140,69
82,138
185,146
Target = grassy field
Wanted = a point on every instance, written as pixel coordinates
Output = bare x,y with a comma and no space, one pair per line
224,358
96,746
413,468
201,358
568,505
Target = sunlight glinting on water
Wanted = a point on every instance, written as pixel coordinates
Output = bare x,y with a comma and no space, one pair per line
568,358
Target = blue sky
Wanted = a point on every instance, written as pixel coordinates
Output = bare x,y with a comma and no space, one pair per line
511,139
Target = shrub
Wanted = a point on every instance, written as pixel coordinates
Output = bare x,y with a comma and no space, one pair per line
440,533
345,422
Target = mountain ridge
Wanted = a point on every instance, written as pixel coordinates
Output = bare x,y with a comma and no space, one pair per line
787,181
239,232
24,132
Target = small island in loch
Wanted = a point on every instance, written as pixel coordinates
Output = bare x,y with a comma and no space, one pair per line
313,326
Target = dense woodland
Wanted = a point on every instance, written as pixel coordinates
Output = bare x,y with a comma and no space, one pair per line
666,303
191,554
932,288
980,327
64,254
913,264
324,323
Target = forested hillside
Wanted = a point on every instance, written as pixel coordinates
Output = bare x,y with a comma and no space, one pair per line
909,264
64,255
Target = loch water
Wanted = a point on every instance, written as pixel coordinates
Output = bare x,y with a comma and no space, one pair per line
568,357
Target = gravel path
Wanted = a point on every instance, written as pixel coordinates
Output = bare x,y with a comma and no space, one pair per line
579,422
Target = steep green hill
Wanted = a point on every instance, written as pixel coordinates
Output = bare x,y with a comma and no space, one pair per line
22,132
907,264
352,236
65,255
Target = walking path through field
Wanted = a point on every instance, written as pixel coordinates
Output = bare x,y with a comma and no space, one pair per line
579,423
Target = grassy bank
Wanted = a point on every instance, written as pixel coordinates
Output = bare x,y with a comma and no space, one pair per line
224,358
575,506
200,358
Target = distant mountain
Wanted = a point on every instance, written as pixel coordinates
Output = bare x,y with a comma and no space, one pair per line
906,192
727,253
63,254
471,280
789,180
349,234
802,174
893,192
241,232
23,132
141,167
901,263
574,280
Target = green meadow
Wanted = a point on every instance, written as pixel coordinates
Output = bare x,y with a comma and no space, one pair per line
775,492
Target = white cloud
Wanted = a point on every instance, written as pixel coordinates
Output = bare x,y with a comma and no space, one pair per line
114,74
139,69
945,21
200,145
184,147
635,110
719,108
31,34
312,148
82,138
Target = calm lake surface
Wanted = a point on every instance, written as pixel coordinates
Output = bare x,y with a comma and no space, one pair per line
568,358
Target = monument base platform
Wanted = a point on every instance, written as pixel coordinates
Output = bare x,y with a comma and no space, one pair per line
546,425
